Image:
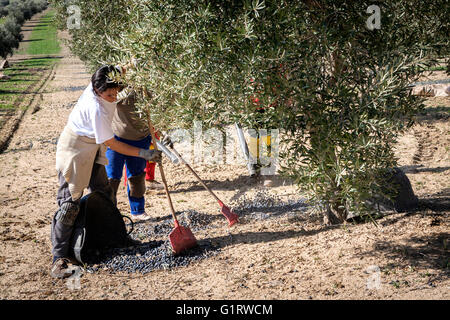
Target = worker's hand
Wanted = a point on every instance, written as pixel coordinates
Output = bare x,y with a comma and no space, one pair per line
167,142
150,155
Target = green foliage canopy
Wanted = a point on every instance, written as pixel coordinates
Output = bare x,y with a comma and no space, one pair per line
338,90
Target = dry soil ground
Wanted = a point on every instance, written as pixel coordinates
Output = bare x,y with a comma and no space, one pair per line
265,256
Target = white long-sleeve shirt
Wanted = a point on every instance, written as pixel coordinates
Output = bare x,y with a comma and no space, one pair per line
92,116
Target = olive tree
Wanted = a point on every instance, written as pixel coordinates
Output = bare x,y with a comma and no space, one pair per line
333,75
10,36
16,13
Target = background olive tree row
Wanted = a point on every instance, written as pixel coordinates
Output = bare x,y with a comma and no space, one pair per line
13,13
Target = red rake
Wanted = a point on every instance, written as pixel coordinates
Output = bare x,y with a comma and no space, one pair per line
230,215
181,238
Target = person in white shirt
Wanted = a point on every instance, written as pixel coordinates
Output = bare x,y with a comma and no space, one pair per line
81,160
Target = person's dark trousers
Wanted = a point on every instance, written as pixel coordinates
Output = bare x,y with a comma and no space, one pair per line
62,224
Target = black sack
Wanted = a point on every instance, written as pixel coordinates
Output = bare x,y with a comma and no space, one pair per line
99,225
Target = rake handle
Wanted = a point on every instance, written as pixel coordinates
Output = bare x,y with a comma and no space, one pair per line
161,171
196,175
231,217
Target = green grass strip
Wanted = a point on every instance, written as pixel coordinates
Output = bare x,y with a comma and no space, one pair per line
43,38
24,75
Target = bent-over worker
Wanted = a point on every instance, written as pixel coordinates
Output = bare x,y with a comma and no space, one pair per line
80,158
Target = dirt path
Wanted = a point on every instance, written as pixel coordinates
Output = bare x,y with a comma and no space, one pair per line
30,99
267,256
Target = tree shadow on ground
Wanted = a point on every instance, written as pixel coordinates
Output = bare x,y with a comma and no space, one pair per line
438,202
440,207
242,182
13,92
431,114
34,24
245,216
420,169
18,80
32,40
196,221
428,252
39,57
265,236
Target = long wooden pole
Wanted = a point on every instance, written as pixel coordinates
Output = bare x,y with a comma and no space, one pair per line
161,170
